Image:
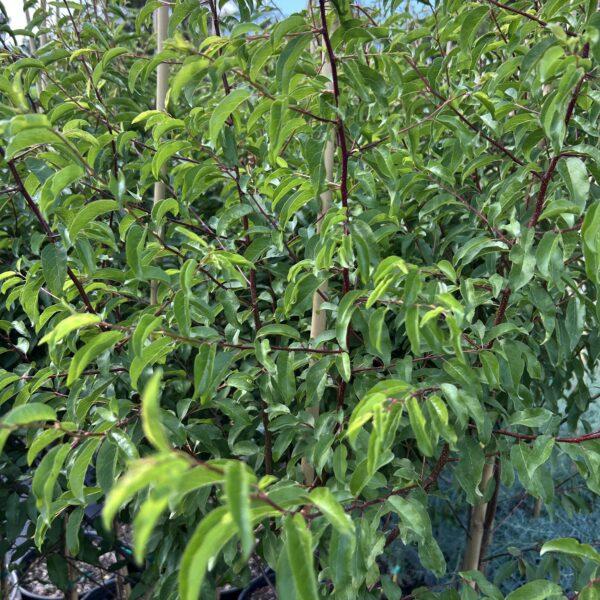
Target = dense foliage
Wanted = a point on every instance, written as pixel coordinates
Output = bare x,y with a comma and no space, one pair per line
266,379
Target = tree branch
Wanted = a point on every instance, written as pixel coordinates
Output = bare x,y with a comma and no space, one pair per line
36,211
529,16
341,134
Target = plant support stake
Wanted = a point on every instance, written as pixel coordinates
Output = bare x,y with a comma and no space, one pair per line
161,20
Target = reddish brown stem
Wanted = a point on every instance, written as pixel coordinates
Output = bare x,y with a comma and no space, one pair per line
428,484
490,514
461,116
529,437
268,449
42,221
341,134
529,16
547,176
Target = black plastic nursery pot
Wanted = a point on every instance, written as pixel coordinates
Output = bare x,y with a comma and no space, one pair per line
106,590
256,584
230,594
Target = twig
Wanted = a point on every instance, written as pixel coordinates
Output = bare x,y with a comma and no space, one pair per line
36,211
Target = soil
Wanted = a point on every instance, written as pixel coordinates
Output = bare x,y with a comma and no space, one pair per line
266,593
35,579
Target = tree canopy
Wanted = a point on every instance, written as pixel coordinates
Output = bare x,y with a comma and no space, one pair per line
421,184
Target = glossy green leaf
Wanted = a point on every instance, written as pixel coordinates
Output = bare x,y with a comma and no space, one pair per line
54,267
298,547
224,109
90,351
237,488
151,414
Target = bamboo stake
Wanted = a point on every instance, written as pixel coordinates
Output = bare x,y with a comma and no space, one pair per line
161,24
537,508
476,525
318,322
43,36
41,81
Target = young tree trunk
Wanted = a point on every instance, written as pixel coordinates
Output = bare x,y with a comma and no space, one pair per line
5,584
537,508
490,515
477,524
161,24
318,322
71,591
41,80
43,36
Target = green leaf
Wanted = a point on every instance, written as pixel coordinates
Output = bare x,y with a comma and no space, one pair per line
209,538
165,152
146,518
55,184
189,72
346,308
379,335
213,532
54,267
68,325
237,489
572,547
88,214
325,501
288,59
419,426
134,244
224,109
73,528
413,330
298,546
203,371
531,417
540,589
145,12
471,460
24,414
80,466
483,584
469,27
279,329
141,474
90,351
151,414
30,137
577,180
231,215
150,355
45,477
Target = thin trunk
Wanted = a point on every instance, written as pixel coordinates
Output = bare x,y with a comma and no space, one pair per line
5,583
476,525
318,322
71,591
537,508
268,445
43,36
41,81
161,21
490,515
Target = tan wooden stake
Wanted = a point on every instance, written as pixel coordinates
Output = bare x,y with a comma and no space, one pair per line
537,508
476,525
318,322
161,24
